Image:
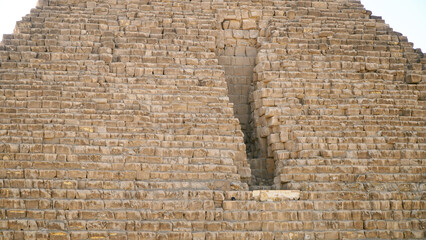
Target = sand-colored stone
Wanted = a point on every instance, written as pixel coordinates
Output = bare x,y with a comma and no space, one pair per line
276,195
210,120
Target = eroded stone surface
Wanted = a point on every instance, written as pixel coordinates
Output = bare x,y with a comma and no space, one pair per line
125,120
276,195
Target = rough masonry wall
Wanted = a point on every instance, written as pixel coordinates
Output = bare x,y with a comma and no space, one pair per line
125,120
334,103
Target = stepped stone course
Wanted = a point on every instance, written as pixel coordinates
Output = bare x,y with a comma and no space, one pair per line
216,119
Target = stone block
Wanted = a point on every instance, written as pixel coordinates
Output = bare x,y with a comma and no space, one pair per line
238,34
90,4
232,24
251,51
371,66
276,195
413,78
249,24
320,5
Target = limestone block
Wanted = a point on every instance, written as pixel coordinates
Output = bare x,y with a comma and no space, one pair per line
326,34
90,4
251,51
319,5
413,78
254,33
256,13
291,14
233,24
371,66
276,195
238,33
240,51
249,24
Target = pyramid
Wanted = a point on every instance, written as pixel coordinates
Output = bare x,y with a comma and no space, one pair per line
213,119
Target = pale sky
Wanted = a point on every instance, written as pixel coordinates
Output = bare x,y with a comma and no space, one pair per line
405,16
